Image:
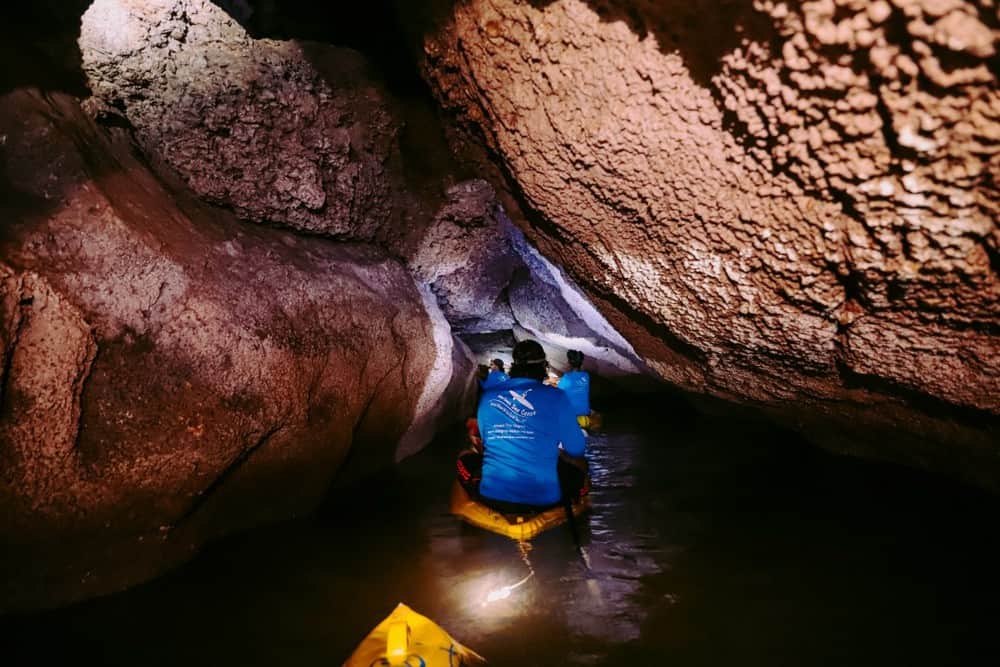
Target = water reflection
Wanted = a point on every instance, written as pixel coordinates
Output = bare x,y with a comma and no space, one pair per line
621,542
710,543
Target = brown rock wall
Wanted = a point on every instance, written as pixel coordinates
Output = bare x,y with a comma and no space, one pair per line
791,205
170,374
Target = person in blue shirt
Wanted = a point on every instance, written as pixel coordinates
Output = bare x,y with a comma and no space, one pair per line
496,375
576,383
524,424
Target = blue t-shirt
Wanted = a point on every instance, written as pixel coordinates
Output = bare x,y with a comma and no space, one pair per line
576,384
523,422
493,379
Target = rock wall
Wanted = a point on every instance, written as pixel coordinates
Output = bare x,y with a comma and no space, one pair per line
302,134
281,132
789,205
171,374
489,280
467,260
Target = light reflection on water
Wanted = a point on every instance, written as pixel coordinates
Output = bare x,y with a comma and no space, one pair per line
710,543
594,605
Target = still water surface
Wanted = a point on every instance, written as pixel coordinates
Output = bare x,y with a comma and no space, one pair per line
713,542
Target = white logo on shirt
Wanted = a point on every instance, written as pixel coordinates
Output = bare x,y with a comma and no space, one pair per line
522,398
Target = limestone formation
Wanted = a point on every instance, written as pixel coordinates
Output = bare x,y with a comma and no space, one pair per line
304,136
467,259
488,279
171,374
786,204
549,307
248,124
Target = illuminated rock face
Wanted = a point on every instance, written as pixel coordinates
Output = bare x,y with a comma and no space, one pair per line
248,124
171,374
303,136
790,205
468,260
489,279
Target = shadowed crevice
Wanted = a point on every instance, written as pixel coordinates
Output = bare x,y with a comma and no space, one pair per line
38,46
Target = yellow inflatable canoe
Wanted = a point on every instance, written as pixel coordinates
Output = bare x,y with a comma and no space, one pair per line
516,527
407,639
591,422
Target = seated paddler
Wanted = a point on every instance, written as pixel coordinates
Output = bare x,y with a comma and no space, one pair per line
576,383
495,376
527,428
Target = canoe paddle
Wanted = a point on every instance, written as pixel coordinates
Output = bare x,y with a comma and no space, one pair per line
574,531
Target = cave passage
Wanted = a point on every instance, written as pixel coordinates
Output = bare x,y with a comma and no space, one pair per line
251,252
712,542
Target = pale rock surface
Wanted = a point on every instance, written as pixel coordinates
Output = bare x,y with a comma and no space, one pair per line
467,259
488,278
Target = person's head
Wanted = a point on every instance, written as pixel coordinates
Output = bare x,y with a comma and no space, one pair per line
529,361
482,370
575,359
496,365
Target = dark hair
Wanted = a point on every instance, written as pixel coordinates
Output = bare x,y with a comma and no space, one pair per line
575,358
498,363
529,361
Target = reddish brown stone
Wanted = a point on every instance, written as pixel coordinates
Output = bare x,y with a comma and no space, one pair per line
791,205
171,374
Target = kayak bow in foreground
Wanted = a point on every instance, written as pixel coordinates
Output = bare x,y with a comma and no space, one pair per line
407,639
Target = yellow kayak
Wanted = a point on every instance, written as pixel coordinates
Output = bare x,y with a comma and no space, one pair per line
517,527
590,422
407,639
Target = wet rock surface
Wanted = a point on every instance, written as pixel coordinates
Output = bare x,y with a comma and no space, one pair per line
171,374
787,205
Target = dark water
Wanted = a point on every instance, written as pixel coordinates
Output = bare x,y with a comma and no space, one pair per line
713,542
